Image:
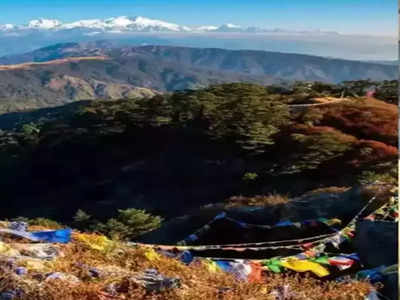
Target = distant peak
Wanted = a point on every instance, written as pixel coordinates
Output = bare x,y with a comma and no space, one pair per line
207,28
127,24
44,23
229,25
6,27
140,18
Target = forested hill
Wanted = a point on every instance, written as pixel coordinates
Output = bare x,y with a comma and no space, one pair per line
257,63
172,153
71,72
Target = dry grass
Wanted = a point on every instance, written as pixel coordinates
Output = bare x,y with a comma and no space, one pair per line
29,65
328,190
382,192
259,200
365,118
118,262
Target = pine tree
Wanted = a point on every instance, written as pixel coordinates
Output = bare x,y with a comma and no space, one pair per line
129,224
82,220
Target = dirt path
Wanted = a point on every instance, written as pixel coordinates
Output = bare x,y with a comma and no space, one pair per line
322,102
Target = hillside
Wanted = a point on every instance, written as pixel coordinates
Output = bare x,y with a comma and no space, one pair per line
280,65
55,82
67,77
221,133
92,267
259,63
237,190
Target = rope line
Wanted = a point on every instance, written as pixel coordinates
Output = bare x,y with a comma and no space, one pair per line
248,246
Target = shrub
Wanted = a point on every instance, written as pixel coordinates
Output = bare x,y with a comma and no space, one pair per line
42,222
259,200
369,152
312,117
368,177
82,220
129,224
328,190
388,91
30,129
319,145
249,176
370,119
30,133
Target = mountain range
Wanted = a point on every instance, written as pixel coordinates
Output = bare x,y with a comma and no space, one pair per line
132,24
67,72
139,31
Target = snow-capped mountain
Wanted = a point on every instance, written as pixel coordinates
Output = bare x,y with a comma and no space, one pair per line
124,24
44,24
206,28
143,24
117,24
7,27
229,28
222,28
125,30
90,24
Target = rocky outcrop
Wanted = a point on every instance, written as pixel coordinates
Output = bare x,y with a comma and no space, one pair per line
344,205
376,243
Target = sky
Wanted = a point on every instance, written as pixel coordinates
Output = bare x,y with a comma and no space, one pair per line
370,17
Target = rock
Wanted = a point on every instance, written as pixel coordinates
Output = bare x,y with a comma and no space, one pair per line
19,226
343,205
153,281
91,271
62,276
111,289
376,243
42,251
94,272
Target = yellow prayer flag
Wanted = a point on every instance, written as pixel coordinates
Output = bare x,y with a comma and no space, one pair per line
304,266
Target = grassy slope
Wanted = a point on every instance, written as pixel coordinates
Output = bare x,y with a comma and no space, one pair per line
118,263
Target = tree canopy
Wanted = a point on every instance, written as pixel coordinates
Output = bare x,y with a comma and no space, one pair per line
244,113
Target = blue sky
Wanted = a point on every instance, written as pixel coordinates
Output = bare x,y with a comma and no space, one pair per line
378,17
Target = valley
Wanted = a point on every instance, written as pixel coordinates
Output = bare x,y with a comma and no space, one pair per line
72,72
